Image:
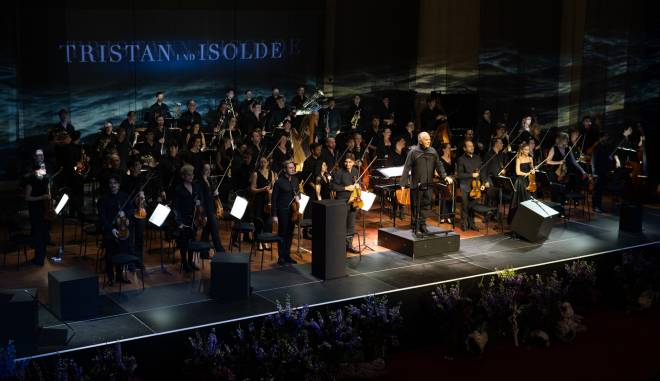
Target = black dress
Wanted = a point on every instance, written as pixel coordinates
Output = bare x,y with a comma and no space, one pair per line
520,193
261,199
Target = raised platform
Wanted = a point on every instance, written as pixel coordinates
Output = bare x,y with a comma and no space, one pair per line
178,308
403,241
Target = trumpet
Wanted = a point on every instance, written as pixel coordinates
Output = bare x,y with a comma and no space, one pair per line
310,105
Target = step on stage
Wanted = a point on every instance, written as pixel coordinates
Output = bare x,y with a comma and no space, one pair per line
404,241
180,308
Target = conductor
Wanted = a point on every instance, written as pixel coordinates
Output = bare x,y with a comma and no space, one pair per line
422,165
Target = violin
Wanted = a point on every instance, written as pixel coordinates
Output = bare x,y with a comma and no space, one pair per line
296,216
141,212
355,199
219,211
122,226
475,191
531,186
82,166
199,216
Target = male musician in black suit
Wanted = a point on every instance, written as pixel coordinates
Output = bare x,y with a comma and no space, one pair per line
112,206
299,99
277,114
159,107
170,167
270,103
421,166
329,153
244,107
485,131
191,116
129,124
187,196
330,121
284,192
132,182
63,126
468,167
253,119
356,111
431,115
343,183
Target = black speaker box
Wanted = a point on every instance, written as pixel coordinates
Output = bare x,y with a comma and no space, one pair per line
19,320
329,243
533,220
73,293
230,276
630,217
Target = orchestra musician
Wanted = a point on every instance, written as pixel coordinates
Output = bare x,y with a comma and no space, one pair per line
187,196
277,114
468,168
134,183
600,168
449,165
284,194
170,167
524,167
422,165
271,101
558,156
299,98
113,208
329,153
330,121
129,125
343,183
261,185
191,117
323,183
38,198
159,108
210,194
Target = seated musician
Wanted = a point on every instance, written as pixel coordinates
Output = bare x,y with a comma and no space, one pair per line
284,193
187,197
422,165
63,127
114,208
343,183
468,168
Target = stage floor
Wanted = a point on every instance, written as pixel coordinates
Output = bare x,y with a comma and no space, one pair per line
180,306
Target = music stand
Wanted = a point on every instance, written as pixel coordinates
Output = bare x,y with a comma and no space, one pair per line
388,173
59,209
158,218
368,199
304,201
504,183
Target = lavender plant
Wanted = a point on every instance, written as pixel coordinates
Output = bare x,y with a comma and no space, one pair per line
502,300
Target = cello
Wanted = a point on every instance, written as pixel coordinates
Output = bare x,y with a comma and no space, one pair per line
355,199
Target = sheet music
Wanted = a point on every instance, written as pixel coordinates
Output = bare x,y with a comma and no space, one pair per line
304,200
368,199
391,171
159,215
239,207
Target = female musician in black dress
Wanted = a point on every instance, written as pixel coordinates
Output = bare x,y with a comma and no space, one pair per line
323,183
281,153
524,167
445,193
261,185
39,204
